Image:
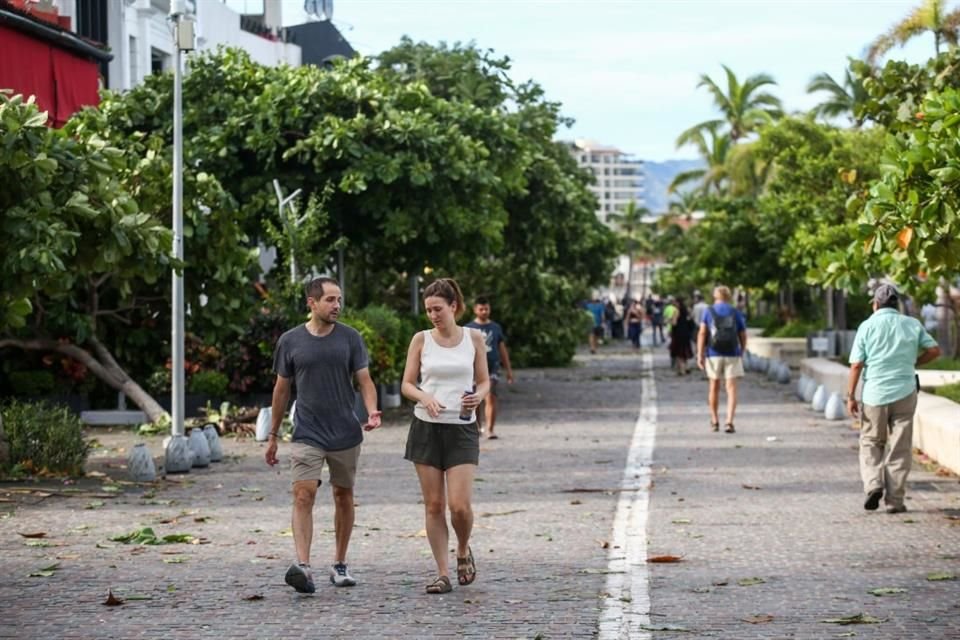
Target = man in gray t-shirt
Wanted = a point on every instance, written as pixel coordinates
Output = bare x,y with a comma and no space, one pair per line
323,358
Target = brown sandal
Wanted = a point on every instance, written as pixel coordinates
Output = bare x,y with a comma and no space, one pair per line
440,585
466,569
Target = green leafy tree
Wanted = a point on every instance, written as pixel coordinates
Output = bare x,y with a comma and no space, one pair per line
76,252
909,226
931,16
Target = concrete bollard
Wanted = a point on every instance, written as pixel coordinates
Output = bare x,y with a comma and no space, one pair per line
783,374
773,370
802,385
834,409
201,450
263,424
213,441
140,464
819,402
179,456
809,390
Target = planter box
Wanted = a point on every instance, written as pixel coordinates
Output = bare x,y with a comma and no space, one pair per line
789,350
936,430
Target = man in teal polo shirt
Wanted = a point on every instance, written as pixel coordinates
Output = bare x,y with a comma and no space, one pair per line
887,349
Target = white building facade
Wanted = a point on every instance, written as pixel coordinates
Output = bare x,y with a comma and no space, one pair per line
140,37
619,176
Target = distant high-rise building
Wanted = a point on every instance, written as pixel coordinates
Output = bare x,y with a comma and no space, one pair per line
619,176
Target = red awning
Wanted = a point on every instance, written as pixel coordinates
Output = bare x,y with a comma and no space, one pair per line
61,81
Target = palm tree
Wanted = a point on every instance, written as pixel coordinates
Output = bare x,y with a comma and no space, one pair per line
842,99
713,146
931,15
743,107
634,232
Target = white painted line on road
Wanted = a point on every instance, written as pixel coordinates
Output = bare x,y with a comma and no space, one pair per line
626,610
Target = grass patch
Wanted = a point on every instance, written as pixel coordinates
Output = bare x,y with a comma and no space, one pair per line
943,364
949,391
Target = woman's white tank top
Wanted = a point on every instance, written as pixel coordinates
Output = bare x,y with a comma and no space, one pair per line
445,373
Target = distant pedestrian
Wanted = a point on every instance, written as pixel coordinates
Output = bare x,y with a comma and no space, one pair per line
450,363
886,350
596,309
497,355
656,320
721,341
323,358
696,314
681,332
635,317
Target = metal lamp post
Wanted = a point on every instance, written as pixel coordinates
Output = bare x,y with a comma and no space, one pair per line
179,458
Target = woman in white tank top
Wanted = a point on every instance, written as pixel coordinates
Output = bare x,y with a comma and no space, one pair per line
446,375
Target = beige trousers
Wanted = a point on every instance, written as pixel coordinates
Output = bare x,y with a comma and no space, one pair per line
886,447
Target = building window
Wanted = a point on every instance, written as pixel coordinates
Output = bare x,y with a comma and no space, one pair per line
159,61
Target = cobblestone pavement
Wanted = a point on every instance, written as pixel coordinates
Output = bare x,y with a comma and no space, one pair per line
545,501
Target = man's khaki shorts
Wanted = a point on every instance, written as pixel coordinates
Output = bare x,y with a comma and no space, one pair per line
724,367
306,462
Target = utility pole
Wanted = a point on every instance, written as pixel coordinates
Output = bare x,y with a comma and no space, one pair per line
178,454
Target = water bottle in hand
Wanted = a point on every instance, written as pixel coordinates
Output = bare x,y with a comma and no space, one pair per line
467,414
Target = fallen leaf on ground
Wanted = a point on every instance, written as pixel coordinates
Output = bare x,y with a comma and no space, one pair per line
36,534
96,504
749,582
759,618
147,536
501,513
664,627
575,502
859,618
750,487
250,489
46,572
252,597
604,544
886,591
940,575
112,600
175,560
138,597
664,559
681,521
38,543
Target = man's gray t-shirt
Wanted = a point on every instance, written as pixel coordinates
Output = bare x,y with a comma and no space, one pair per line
322,369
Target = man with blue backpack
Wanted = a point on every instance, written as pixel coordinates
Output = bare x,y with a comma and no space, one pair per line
721,341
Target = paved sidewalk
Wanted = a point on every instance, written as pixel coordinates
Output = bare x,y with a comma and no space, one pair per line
545,502
780,501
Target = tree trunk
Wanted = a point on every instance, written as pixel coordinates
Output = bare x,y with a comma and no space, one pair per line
841,310
629,273
4,445
944,307
103,365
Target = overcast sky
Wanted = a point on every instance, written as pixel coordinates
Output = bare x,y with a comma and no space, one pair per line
627,70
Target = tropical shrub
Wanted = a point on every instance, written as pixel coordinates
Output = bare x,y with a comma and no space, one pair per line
44,440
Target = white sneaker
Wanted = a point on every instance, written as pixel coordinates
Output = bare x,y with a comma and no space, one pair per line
340,577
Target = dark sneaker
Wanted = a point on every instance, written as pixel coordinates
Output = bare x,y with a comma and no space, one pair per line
873,500
340,577
896,508
300,578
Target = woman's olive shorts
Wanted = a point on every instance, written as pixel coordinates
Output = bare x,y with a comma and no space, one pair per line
443,445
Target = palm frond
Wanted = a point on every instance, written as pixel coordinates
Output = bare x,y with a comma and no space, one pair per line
685,177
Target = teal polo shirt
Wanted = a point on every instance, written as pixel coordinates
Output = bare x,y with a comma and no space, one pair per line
888,344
